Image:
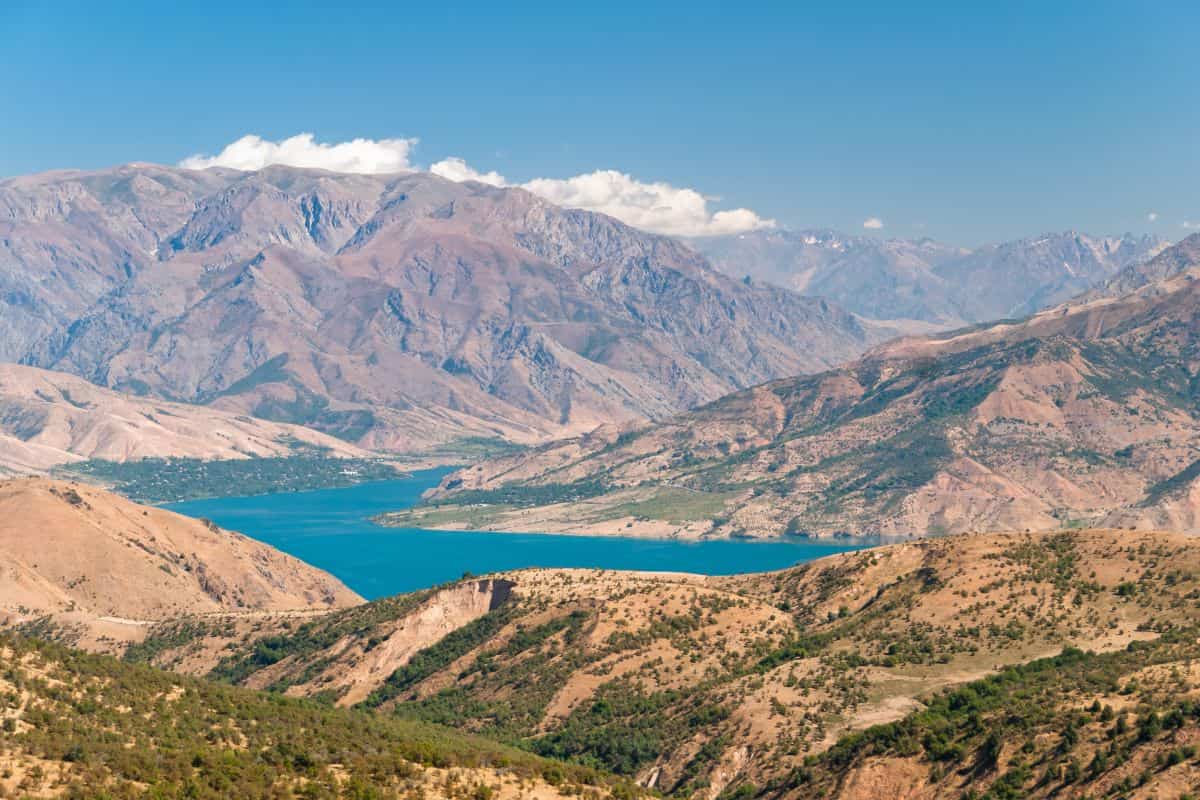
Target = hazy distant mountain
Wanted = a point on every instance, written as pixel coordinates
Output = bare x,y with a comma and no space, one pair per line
394,311
1085,413
878,278
925,280
1173,261
1018,278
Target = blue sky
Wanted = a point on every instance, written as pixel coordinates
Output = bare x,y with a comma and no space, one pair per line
967,122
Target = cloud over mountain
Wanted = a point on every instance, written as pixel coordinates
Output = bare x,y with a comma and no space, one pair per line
658,207
366,156
455,169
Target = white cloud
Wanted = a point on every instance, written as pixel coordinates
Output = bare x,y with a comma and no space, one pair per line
455,169
1152,216
657,207
372,156
1191,226
872,223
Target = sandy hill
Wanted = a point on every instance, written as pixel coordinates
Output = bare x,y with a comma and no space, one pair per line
764,684
50,418
86,565
1087,414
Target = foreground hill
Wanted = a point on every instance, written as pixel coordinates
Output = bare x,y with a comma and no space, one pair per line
392,311
776,684
50,418
81,726
98,570
929,281
1085,414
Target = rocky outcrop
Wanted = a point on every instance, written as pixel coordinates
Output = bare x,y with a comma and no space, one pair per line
355,666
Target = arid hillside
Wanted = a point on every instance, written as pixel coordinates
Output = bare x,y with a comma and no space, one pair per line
397,312
51,418
763,684
95,570
1084,415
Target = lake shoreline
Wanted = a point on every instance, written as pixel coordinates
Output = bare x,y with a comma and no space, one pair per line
332,529
640,532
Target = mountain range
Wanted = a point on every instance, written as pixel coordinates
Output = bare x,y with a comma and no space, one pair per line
928,281
1085,414
392,311
406,312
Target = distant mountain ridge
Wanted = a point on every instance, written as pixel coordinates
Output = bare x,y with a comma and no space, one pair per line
925,280
392,311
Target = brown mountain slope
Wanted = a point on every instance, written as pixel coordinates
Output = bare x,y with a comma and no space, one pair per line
712,685
101,568
393,311
1087,413
50,418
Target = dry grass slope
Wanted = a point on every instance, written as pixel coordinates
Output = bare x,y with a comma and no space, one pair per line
50,418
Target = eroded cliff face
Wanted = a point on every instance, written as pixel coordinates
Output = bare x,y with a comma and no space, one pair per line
393,311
